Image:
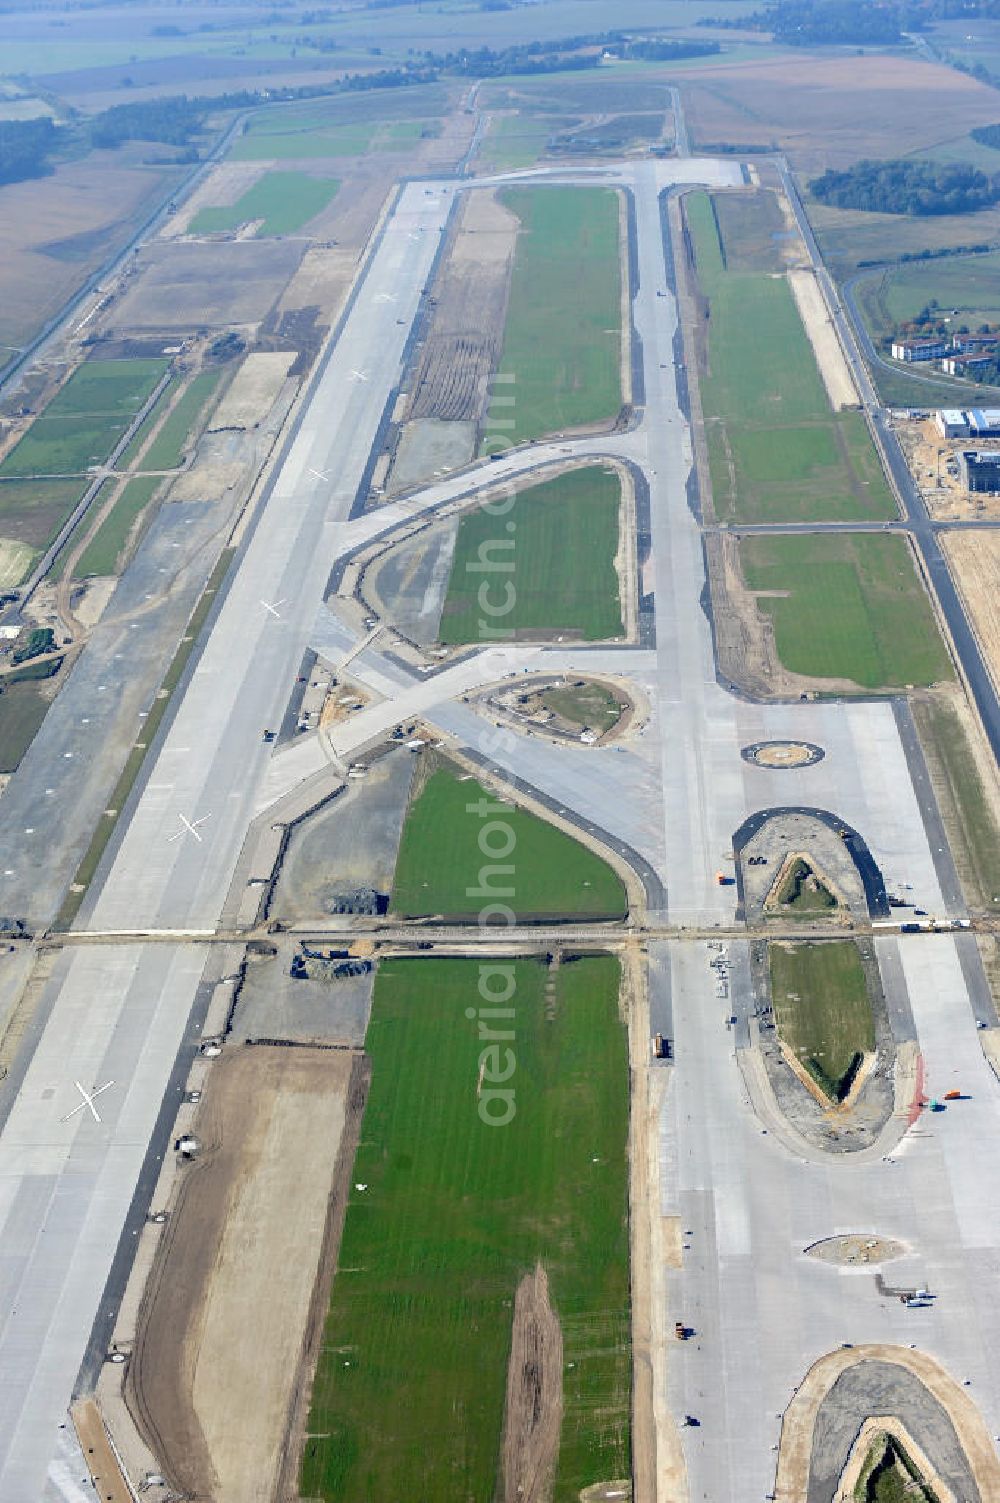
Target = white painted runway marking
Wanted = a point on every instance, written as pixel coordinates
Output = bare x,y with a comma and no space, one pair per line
89,1097
189,828
318,473
273,608
385,297
359,375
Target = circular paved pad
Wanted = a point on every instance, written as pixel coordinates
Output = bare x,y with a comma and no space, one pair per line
782,754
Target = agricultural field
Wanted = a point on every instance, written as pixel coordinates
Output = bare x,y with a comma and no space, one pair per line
830,111
517,141
282,201
182,423
546,875
31,513
561,538
563,338
291,142
777,451
105,548
847,607
85,419
822,1010
449,1216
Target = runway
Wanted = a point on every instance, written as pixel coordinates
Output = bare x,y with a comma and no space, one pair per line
117,1016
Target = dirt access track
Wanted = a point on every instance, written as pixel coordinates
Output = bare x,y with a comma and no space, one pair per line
230,1319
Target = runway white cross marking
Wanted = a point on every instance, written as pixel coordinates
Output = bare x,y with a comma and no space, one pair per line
273,608
318,473
385,297
359,375
189,828
89,1098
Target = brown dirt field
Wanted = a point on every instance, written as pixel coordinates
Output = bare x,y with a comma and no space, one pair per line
822,335
463,342
974,560
55,231
187,284
227,1324
252,392
829,112
102,1464
533,1414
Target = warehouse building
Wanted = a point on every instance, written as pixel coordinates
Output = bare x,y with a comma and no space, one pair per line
980,470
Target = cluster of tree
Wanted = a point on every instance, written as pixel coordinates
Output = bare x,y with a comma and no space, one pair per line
665,49
25,148
907,187
173,120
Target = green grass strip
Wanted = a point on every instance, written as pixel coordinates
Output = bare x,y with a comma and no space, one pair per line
821,1008
563,337
106,546
285,201
441,868
848,607
408,1399
554,548
182,424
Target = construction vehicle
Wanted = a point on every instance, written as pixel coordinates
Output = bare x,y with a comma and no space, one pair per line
681,1331
953,1096
723,880
662,1048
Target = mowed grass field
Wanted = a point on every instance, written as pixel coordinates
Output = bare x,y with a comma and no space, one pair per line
563,338
85,418
777,450
102,553
408,1400
442,867
283,201
847,606
822,1010
560,538
182,424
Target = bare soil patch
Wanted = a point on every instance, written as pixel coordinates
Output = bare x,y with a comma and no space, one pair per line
815,317
856,1249
228,1315
463,342
974,560
186,284
534,1394
252,392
